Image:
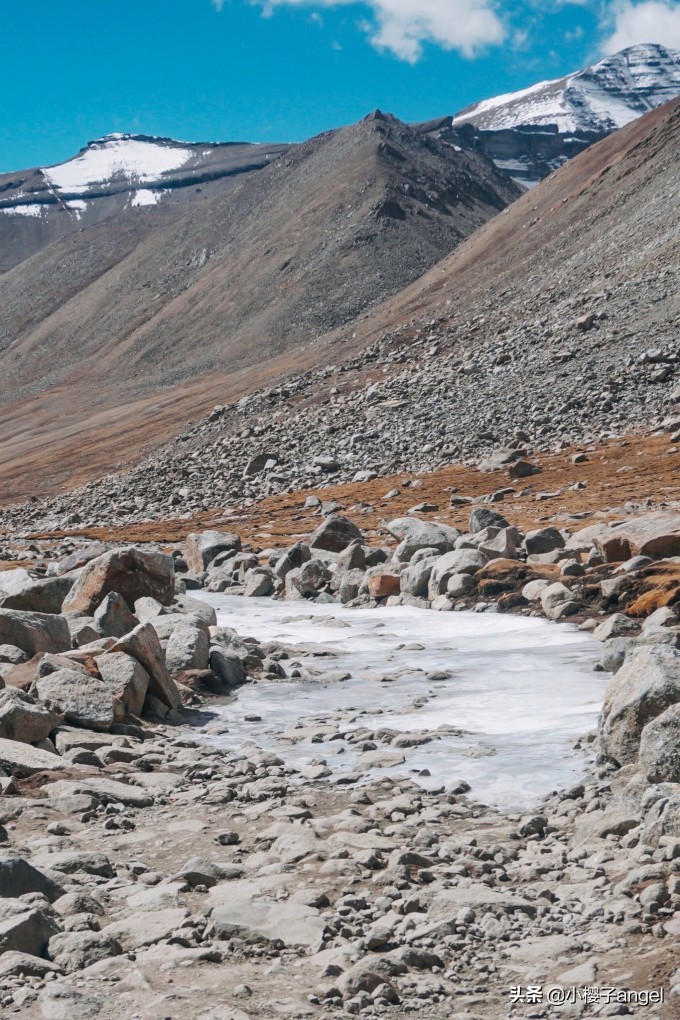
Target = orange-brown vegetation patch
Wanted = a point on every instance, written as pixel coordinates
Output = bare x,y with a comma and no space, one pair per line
660,587
627,470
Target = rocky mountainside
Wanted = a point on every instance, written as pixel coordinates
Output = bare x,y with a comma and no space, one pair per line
296,250
554,323
118,176
530,133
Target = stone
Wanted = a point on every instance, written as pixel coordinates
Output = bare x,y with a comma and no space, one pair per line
59,1001
130,572
659,756
78,558
335,533
260,462
349,584
414,580
616,625
126,678
413,534
646,685
76,950
308,579
227,666
481,518
523,469
34,633
502,545
22,718
201,548
145,927
70,862
27,932
112,617
12,654
656,535
18,878
292,559
459,585
188,648
459,561
543,540
38,595
143,644
532,589
382,585
258,583
108,791
21,760
82,699
14,964
557,601
293,924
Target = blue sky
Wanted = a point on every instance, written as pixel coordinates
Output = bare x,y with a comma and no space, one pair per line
282,70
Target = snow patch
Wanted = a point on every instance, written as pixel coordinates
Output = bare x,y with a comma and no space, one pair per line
146,197
34,210
115,158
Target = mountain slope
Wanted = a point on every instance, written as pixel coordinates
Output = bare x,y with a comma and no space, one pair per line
294,251
532,132
116,176
554,324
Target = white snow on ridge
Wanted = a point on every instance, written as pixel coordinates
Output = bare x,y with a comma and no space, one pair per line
146,197
32,209
113,158
606,96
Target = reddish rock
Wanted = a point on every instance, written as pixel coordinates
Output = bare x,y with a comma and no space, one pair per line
382,585
130,572
656,535
201,548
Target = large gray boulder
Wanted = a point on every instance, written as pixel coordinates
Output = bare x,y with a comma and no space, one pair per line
335,533
187,648
458,561
660,747
25,760
227,666
558,602
143,644
18,877
83,700
22,718
112,617
130,572
27,932
292,559
413,534
482,517
201,548
309,579
646,685
38,595
126,678
543,540
34,633
414,580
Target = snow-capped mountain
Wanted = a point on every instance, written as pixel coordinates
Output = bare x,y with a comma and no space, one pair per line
532,132
114,175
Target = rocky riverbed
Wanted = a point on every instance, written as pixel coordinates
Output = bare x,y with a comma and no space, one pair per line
150,870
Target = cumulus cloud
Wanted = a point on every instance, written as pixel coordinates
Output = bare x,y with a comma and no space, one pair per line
651,21
403,26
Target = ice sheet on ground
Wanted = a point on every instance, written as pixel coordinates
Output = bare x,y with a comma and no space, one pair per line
521,688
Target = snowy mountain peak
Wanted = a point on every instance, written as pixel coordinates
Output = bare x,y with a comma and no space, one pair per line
598,99
131,158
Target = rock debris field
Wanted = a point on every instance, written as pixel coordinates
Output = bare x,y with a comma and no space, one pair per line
161,860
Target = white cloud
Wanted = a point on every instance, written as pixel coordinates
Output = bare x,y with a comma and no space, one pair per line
402,26
218,4
651,21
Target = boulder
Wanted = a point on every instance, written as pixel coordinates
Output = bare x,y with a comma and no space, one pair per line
187,648
146,927
108,791
501,546
335,533
659,756
126,678
656,535
42,595
458,561
349,583
413,534
143,644
258,583
543,540
252,916
292,559
414,580
18,878
129,572
27,932
23,719
78,949
481,517
557,601
310,578
616,625
80,557
382,585
34,633
227,666
201,548
646,685
12,654
82,699
25,760
112,617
